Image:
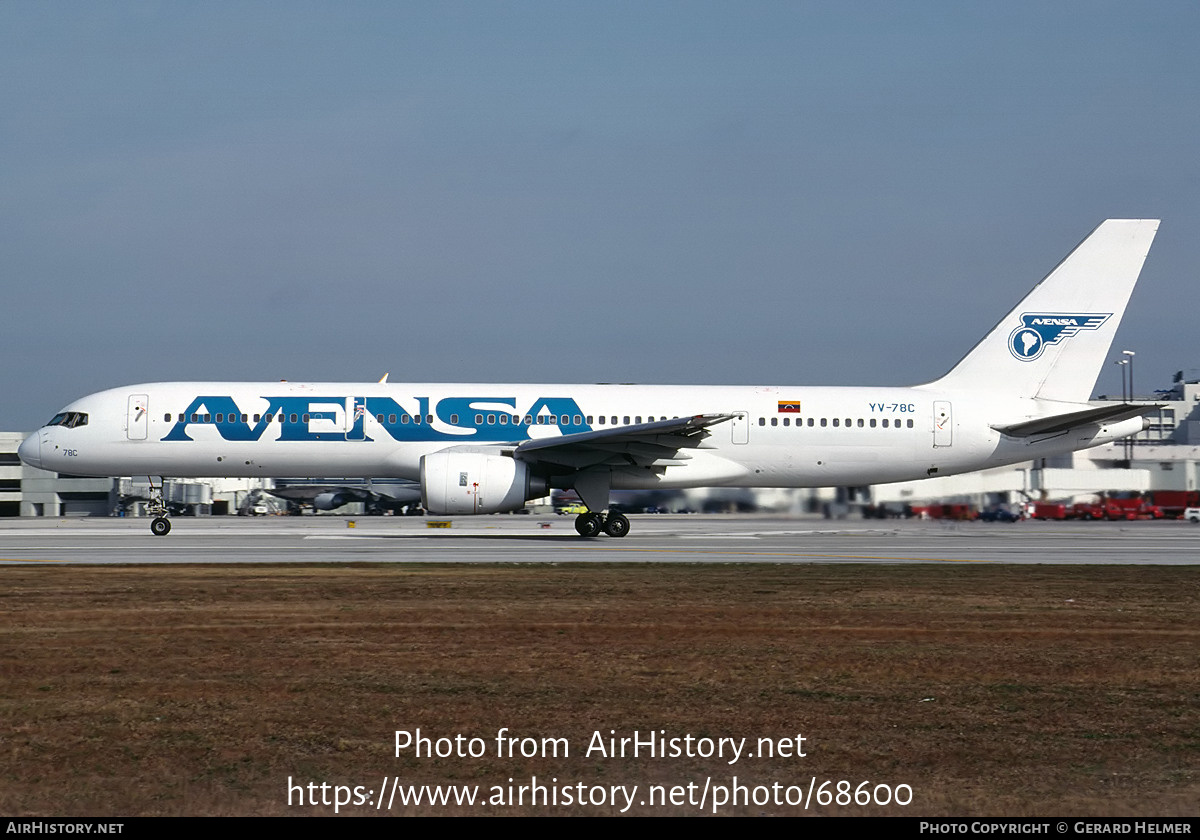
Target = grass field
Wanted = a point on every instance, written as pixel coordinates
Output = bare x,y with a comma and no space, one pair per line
989,690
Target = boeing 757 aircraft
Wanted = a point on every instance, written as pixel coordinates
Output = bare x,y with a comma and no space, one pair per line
1020,393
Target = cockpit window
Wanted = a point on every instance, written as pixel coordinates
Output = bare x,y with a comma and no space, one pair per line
70,419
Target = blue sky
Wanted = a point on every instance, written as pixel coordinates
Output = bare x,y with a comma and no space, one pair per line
772,193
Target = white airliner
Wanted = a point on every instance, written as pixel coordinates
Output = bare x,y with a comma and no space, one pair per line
1020,393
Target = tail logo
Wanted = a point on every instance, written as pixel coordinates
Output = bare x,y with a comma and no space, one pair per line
1038,330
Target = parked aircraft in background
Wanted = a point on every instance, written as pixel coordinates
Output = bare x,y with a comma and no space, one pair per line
1022,392
376,497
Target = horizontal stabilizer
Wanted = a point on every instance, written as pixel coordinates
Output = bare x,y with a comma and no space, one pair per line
1062,422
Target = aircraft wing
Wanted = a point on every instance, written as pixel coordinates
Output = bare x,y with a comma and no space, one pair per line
661,443
1063,422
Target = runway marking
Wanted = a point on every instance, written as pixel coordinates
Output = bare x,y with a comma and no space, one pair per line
350,536
27,560
719,537
786,554
709,551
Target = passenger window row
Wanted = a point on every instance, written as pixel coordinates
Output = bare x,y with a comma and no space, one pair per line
848,422
417,419
236,418
72,419
404,419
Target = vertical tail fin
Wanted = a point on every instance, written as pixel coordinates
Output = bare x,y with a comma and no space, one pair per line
1054,342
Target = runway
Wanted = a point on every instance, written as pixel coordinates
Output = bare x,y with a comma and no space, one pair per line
552,539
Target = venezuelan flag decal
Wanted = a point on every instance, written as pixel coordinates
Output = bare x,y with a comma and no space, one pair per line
789,406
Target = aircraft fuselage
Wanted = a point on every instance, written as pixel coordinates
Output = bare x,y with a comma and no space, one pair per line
777,436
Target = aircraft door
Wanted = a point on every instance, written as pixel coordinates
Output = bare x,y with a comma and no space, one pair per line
740,426
943,424
356,411
137,419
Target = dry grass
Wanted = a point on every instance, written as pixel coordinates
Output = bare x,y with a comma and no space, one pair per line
991,690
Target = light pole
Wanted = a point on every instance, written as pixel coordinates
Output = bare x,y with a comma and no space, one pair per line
1123,364
1130,354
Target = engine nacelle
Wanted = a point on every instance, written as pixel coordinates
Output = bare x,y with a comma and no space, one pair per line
330,501
477,482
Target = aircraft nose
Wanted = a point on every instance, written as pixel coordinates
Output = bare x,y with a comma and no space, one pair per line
30,450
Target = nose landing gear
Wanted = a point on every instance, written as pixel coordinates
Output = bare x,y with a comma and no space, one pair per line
160,526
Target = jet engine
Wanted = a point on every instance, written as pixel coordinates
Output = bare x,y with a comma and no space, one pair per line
330,501
471,481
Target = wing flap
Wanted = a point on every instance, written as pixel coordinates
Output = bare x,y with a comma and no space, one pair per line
645,444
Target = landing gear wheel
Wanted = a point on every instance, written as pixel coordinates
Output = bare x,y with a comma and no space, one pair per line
616,525
160,526
588,524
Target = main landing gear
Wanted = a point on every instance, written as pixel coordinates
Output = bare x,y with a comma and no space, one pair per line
160,526
591,524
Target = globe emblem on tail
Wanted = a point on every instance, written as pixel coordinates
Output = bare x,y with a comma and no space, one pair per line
1028,344
1038,330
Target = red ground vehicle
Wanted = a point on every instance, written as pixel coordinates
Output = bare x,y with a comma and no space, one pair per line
1173,503
1049,510
1087,510
953,511
1115,509
1131,509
